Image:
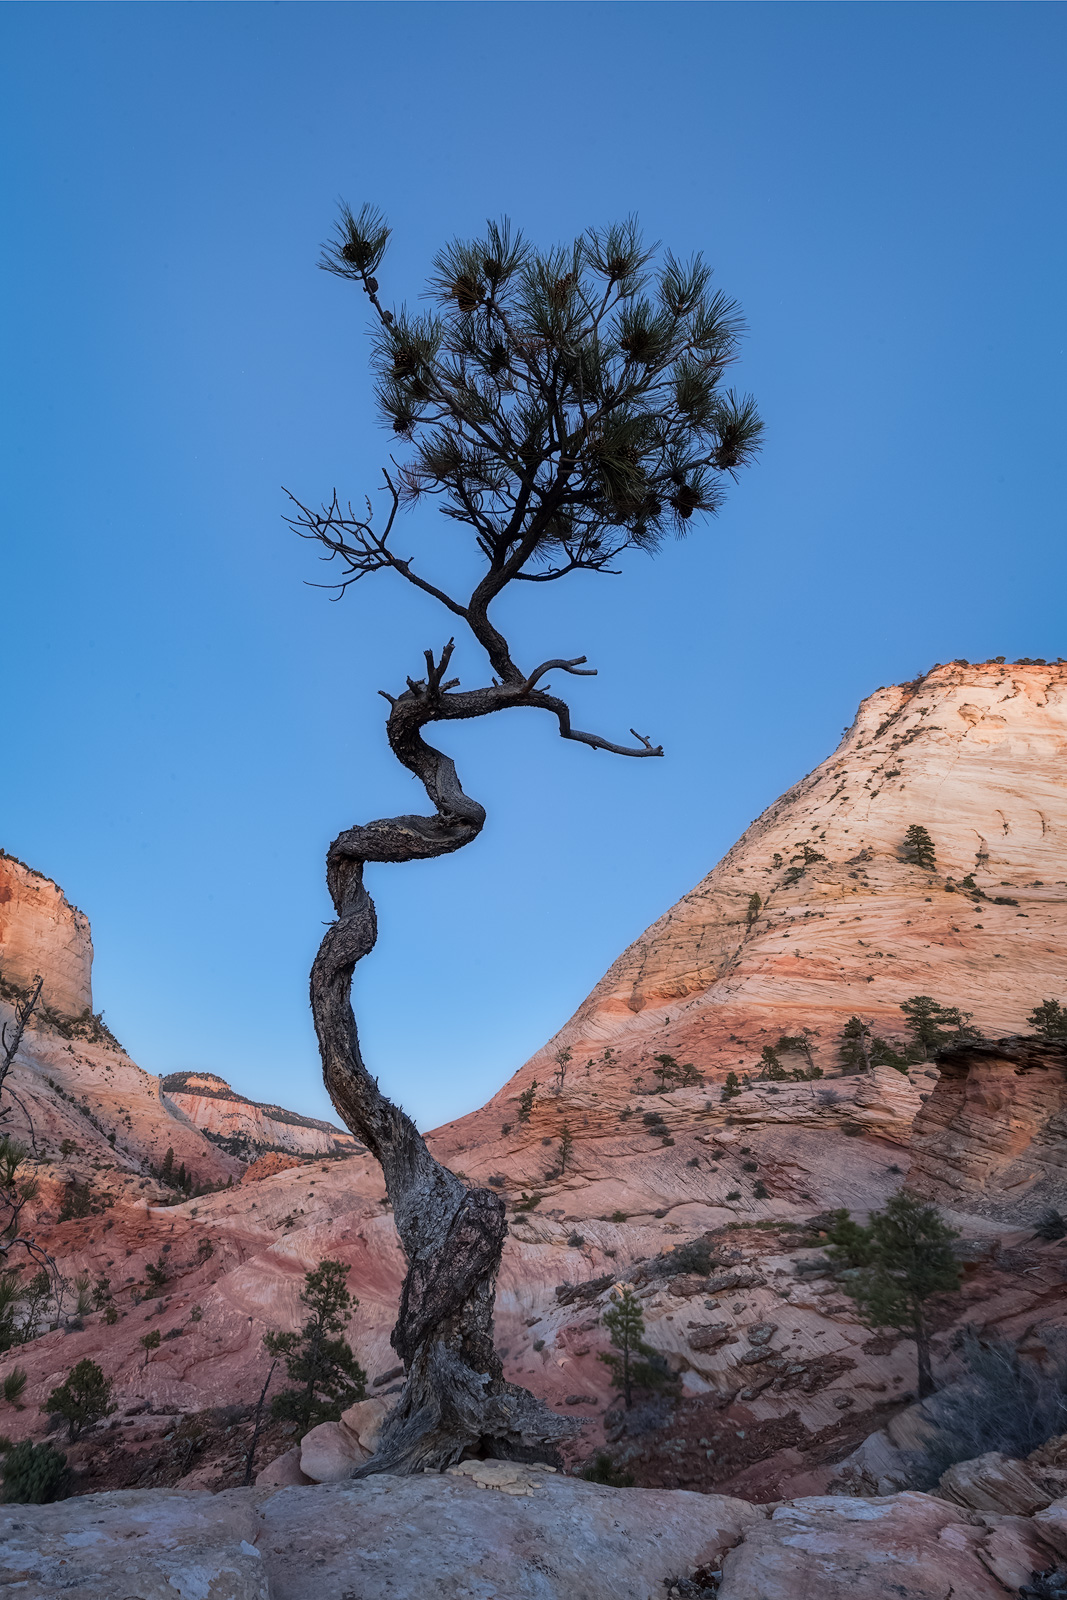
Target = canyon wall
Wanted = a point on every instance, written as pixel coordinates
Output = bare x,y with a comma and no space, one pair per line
992,1137
816,914
42,933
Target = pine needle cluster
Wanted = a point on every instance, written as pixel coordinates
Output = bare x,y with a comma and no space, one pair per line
567,403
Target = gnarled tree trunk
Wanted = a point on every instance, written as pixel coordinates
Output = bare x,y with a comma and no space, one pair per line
455,1401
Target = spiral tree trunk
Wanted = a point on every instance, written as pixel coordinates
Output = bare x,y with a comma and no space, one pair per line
455,1401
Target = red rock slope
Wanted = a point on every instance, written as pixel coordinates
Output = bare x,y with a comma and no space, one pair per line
975,754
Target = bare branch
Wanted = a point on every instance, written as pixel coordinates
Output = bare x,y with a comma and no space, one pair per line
574,667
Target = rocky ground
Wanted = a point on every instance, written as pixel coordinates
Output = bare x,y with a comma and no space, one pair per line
500,1531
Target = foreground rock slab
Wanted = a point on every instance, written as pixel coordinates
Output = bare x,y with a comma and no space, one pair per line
498,1530
146,1545
410,1538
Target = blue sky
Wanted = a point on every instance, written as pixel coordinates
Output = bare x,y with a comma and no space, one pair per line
187,724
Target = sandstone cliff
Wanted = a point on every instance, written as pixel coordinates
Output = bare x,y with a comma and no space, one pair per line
992,1138
976,755
42,933
250,1126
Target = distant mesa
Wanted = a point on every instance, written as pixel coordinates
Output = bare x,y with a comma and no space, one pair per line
250,1125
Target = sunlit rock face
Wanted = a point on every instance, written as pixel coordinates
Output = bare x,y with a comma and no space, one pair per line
845,923
212,1105
42,933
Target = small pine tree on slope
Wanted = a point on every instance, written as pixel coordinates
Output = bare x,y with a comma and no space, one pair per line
636,1365
326,1376
900,1259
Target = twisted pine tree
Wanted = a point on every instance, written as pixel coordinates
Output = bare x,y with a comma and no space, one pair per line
565,407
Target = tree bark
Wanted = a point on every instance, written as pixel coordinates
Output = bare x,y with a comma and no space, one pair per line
455,1402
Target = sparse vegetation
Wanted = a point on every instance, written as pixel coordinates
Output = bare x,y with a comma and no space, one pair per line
320,1364
526,1102
77,1201
34,1474
932,1025
731,1088
671,1075
602,1469
149,1342
894,1265
82,1399
14,1385
1004,1402
1049,1019
771,1068
633,1363
859,1049
1051,1226
919,848
566,1145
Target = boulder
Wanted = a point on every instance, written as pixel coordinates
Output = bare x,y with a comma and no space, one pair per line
283,1472
995,1482
329,1453
364,1420
832,1547
710,1336
1051,1525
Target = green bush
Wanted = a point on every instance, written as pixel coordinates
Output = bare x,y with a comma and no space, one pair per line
34,1474
13,1385
602,1469
83,1399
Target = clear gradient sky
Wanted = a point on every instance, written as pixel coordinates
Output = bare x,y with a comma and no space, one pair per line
187,725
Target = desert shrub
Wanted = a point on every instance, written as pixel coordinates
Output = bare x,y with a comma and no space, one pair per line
82,1399
761,1191
76,1201
1049,1019
693,1256
34,1474
602,1469
13,1385
1003,1402
1051,1226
